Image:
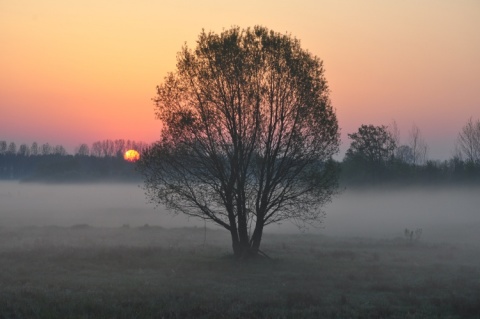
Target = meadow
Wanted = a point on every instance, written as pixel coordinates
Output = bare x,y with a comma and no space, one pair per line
82,271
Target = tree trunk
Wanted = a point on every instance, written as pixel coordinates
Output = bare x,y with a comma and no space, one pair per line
244,248
235,243
241,249
243,229
257,237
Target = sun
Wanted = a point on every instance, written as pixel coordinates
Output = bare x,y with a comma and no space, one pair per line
131,156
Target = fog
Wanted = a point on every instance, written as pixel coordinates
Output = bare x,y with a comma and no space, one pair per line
444,214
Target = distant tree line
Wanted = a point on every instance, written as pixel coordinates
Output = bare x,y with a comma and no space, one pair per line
103,160
376,156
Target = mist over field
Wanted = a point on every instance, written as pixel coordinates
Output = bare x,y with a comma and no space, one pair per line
359,264
444,214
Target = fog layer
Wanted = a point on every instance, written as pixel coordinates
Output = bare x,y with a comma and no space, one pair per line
444,214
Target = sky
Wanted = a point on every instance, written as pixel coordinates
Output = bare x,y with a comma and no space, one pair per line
75,72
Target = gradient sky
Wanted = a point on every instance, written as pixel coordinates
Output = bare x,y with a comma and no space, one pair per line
76,72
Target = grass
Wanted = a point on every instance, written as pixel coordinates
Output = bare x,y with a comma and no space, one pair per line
150,272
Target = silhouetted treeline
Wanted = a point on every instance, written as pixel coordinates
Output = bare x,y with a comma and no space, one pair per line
376,157
102,161
356,172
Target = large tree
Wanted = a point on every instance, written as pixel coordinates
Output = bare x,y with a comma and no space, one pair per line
248,135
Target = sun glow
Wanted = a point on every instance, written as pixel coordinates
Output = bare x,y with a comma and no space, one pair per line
131,156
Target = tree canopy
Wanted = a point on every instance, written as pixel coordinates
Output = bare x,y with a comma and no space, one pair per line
371,150
374,144
248,134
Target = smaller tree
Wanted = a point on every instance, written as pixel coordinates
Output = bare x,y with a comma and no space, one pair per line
394,132
374,144
34,149
96,149
12,148
83,150
468,142
108,148
3,147
59,150
46,149
371,150
404,153
418,146
24,150
119,147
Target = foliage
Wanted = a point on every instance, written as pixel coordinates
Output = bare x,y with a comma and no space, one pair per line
248,132
374,144
374,159
371,152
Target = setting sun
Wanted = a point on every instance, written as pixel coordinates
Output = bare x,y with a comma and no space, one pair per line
131,156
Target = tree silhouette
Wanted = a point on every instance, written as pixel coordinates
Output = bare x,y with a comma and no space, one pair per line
418,146
59,150
248,132
370,151
83,150
468,142
12,148
46,149
3,147
23,150
404,153
34,149
373,143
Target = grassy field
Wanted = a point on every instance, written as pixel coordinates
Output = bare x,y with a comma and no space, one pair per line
150,272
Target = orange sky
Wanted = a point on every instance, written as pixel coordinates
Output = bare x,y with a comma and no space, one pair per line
81,71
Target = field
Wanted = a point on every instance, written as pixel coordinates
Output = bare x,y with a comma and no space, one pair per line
152,272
